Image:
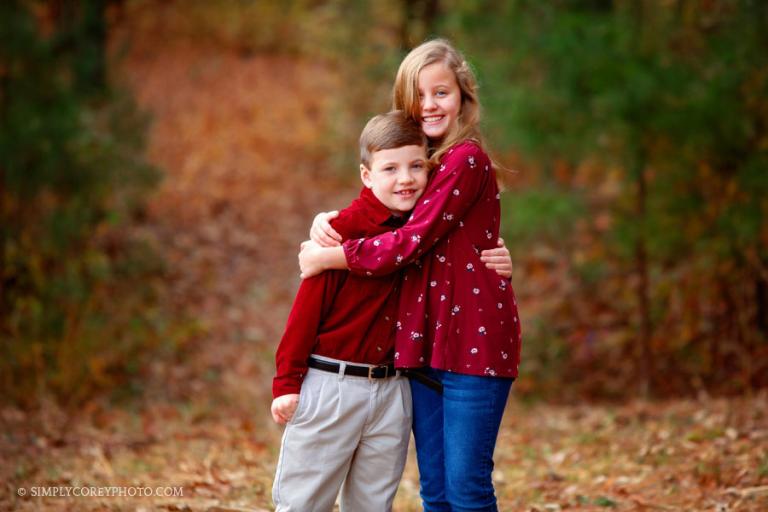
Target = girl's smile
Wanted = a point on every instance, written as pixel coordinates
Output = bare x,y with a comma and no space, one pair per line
439,100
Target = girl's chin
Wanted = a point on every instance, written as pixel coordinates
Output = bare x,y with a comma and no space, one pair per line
434,132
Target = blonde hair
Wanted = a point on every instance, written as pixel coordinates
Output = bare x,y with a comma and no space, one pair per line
405,93
392,130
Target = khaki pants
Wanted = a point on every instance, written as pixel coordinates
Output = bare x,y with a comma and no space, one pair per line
348,433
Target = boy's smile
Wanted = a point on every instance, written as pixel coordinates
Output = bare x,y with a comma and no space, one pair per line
397,177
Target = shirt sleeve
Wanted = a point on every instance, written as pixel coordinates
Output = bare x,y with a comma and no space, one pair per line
313,301
454,189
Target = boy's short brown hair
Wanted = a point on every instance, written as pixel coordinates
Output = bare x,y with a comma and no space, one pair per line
389,131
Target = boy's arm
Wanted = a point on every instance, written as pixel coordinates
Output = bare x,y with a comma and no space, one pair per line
312,303
498,259
284,407
317,256
322,233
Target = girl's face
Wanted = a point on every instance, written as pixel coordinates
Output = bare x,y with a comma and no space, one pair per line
439,99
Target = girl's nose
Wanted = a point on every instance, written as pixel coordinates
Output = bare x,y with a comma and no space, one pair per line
427,103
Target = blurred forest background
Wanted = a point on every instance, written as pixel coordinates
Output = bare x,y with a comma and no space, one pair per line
162,160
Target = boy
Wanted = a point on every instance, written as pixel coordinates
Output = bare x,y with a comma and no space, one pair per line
348,413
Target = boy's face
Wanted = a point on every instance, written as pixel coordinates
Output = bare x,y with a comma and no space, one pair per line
397,177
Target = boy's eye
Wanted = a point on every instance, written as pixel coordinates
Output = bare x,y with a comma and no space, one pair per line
390,168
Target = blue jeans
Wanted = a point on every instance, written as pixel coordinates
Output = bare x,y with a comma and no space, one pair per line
455,436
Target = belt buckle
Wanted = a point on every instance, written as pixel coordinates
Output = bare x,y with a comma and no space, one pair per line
372,368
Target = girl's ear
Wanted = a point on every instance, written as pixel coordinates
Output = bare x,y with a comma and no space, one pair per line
365,176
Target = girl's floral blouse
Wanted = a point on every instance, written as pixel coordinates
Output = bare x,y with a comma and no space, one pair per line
454,313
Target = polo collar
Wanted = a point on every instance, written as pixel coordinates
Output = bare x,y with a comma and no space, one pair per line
376,211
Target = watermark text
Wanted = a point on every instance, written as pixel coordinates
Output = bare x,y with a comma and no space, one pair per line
68,491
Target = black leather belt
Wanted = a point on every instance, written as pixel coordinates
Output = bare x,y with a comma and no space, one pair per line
418,374
372,372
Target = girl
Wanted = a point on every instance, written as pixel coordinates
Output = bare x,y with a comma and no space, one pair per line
457,318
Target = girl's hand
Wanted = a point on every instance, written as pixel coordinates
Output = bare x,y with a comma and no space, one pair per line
498,259
284,407
321,231
310,261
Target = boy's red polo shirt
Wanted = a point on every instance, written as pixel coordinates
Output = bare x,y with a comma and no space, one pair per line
340,315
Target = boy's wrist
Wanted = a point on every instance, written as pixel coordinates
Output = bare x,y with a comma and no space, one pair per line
285,388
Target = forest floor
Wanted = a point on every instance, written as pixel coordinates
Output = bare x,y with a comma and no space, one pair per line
236,137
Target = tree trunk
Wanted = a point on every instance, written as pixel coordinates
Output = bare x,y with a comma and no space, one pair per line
761,299
647,367
418,23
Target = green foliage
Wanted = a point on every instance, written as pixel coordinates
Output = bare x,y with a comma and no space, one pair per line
363,47
546,359
79,295
762,470
539,215
602,501
673,95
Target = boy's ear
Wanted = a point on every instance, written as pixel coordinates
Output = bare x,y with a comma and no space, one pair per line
365,176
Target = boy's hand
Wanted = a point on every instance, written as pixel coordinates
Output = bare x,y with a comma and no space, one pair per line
498,259
283,408
321,231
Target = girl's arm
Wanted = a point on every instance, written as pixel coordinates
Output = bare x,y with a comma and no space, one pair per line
455,187
314,259
324,235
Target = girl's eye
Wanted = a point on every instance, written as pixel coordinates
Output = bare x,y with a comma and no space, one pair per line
389,169
418,166
441,93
